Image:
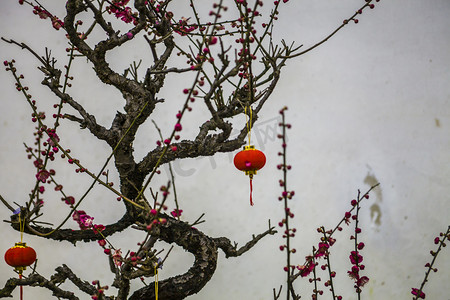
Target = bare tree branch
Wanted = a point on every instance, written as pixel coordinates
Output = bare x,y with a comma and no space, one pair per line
62,273
232,250
74,236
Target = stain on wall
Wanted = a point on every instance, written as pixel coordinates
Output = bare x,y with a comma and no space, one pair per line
375,208
437,122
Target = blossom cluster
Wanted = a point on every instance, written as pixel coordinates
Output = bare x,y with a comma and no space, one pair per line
356,259
84,220
122,12
45,14
355,256
100,290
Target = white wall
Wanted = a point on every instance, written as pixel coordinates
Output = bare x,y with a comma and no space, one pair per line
373,103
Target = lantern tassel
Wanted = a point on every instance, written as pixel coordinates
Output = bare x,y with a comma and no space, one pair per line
21,287
251,190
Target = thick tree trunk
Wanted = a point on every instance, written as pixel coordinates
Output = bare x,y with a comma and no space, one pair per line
205,252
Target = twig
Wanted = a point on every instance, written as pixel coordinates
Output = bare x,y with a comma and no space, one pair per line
7,204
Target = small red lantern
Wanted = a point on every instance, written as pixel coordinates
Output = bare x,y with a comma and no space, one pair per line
20,256
250,160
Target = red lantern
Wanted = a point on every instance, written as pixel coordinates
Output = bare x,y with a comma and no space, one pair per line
250,160
20,256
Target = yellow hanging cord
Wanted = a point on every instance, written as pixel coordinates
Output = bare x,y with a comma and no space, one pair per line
249,123
156,282
21,228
